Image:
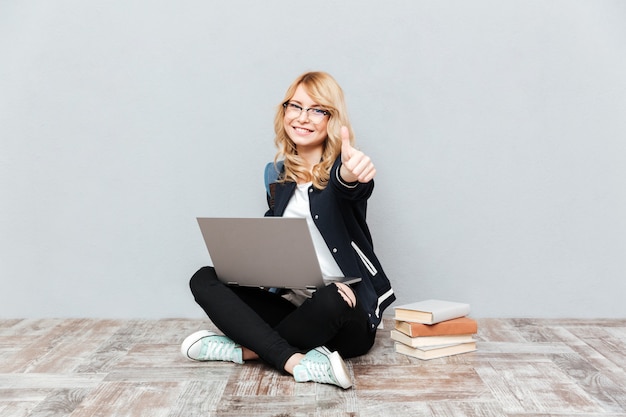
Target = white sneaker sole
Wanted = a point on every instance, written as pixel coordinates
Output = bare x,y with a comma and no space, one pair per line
191,340
339,367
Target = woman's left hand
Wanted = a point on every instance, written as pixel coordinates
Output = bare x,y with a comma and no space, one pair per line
355,165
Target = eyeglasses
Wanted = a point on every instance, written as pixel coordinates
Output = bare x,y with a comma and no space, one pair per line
313,114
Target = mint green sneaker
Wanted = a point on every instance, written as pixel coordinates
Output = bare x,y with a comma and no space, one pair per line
208,346
323,366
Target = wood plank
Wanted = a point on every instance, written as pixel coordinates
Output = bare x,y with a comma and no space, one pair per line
17,408
466,408
198,398
60,403
29,381
129,399
432,380
538,387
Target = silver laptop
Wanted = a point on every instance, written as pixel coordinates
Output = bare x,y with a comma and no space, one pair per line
272,252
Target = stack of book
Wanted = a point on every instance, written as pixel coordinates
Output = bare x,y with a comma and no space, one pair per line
433,329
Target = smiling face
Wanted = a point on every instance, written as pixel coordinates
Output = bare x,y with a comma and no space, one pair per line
308,137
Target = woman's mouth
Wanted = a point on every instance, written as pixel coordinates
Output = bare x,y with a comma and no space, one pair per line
302,130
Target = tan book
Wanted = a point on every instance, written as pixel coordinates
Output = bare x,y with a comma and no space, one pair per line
434,352
461,325
431,311
423,341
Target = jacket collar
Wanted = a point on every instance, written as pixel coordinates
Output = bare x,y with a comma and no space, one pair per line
283,195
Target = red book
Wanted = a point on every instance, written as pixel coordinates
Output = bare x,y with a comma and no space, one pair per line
462,325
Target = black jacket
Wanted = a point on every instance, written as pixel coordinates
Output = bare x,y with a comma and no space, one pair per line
339,212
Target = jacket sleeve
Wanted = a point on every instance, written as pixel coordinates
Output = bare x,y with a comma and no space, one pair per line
349,190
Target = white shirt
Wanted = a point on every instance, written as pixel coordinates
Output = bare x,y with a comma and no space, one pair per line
298,206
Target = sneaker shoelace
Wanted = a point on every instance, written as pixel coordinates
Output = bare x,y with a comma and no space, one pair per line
319,368
217,348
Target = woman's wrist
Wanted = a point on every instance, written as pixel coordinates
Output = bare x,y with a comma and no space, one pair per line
345,177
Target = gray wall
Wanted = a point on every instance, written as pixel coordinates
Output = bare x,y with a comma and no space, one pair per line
498,128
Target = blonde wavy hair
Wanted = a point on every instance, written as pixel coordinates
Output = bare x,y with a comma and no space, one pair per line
327,93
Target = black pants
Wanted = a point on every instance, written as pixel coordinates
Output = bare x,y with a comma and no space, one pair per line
274,328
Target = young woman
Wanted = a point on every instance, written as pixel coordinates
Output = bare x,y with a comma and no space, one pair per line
327,181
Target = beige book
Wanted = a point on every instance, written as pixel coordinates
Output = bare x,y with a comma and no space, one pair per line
434,352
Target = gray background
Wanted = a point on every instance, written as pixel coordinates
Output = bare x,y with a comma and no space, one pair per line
498,129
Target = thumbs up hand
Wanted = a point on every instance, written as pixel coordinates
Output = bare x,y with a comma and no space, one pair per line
355,165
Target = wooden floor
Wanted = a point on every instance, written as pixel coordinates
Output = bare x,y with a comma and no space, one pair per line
526,368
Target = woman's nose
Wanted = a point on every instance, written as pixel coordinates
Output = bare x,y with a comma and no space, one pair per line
304,115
